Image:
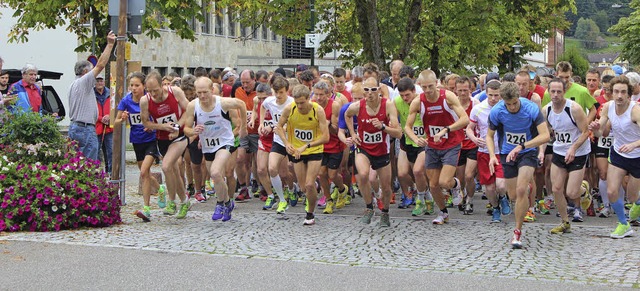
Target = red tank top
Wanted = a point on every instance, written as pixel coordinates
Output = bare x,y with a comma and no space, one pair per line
467,144
375,142
435,117
334,145
601,100
267,140
167,111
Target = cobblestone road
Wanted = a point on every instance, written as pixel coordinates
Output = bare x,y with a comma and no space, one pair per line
467,245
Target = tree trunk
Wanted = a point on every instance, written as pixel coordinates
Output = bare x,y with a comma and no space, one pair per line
370,32
434,52
413,26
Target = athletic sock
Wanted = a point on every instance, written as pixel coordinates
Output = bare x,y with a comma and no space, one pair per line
277,185
421,196
602,187
618,207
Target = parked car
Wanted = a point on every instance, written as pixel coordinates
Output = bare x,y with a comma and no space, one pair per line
51,101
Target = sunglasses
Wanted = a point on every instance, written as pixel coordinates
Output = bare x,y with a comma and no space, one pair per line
372,89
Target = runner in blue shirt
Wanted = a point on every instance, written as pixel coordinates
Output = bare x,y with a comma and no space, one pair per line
521,129
144,142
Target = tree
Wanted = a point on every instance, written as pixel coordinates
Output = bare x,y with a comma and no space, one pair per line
602,20
38,15
628,28
579,63
587,31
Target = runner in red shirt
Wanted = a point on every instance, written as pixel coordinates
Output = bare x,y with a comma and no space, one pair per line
444,119
165,104
377,121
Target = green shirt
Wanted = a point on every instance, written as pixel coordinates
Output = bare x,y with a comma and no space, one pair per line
403,113
580,95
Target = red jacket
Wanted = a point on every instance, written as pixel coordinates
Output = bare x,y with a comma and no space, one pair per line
102,111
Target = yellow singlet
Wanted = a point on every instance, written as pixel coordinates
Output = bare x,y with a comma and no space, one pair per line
304,128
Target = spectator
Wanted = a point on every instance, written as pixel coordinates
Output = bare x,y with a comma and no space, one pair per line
82,102
29,94
4,82
103,130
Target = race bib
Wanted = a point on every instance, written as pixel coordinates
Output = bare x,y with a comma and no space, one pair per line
167,119
605,142
516,138
375,137
209,143
268,123
563,137
276,117
303,135
135,119
433,130
419,131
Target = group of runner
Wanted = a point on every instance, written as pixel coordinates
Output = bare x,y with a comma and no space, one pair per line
308,135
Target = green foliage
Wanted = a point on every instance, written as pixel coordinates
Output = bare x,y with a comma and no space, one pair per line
578,62
588,31
628,28
602,20
30,128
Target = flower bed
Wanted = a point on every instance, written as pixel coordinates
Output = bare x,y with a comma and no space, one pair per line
46,185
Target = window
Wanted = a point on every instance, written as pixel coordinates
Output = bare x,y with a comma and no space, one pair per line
274,36
232,23
145,70
265,32
219,15
162,70
243,31
192,24
178,70
191,70
206,25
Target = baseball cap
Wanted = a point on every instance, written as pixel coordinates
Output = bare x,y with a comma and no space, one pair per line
100,76
301,67
491,76
618,70
532,75
229,75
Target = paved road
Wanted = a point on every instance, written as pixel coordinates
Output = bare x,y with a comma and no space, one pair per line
257,249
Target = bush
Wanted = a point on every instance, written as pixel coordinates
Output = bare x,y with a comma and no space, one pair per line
46,184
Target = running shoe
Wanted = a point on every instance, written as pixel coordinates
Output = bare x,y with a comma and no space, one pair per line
456,193
543,207
622,231
405,202
256,194
484,197
448,201
200,198
226,213
254,186
293,197
162,202
380,204
190,190
495,218
144,214
184,208
268,205
442,218
342,198
328,208
217,214
604,212
564,227
468,209
516,242
310,221
505,206
429,204
282,207
384,220
366,217
347,200
263,195
322,202
585,198
356,190
243,196
170,209
634,212
393,198
577,215
420,208
530,216
478,186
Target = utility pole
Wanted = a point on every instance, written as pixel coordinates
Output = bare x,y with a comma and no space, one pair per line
313,28
120,63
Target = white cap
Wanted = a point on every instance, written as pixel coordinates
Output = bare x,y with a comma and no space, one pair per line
100,76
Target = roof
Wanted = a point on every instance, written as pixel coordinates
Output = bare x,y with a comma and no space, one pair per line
15,75
607,58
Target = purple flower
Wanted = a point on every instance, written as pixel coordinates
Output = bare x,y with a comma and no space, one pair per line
9,215
39,196
22,201
4,205
2,177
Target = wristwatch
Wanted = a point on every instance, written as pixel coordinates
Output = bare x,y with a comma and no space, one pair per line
522,145
383,127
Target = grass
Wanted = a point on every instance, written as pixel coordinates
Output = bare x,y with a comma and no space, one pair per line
613,45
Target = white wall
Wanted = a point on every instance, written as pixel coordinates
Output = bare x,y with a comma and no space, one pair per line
50,50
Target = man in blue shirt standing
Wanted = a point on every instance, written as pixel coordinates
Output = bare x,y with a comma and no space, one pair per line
521,129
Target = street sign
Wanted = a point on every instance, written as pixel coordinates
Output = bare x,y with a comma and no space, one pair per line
134,24
134,7
312,40
92,59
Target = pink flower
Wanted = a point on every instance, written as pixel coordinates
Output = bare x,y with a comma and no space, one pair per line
2,177
22,201
4,205
39,196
